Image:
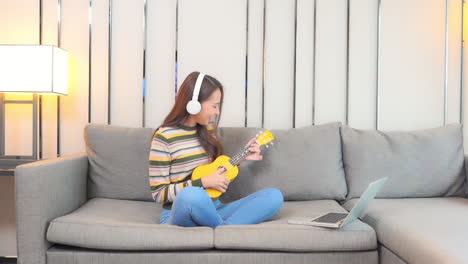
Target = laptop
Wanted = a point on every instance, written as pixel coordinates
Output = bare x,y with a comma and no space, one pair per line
338,220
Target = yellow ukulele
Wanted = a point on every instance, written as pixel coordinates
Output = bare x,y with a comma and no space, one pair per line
230,164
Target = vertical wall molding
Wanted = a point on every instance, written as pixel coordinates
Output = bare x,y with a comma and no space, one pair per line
144,84
41,10
347,64
246,83
109,66
314,83
446,62
377,85
462,66
176,50
294,65
90,14
59,28
40,21
263,64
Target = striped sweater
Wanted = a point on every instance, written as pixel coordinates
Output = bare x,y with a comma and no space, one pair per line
175,152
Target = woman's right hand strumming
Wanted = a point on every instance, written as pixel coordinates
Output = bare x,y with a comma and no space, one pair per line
217,180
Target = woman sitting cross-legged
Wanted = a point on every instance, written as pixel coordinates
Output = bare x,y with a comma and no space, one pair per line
183,142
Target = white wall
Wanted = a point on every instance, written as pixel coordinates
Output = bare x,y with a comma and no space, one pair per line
391,65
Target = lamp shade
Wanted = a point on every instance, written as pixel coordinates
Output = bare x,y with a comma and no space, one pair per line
33,69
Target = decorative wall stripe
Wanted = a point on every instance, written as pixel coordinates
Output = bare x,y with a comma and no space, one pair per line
40,21
347,65
263,64
59,22
462,76
379,36
313,62
176,70
446,63
109,65
246,83
90,57
144,62
295,57
41,10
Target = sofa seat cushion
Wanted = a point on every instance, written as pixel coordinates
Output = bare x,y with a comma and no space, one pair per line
124,225
278,235
421,230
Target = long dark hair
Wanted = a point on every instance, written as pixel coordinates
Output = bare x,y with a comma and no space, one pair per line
209,139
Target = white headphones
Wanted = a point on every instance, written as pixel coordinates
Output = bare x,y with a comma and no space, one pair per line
194,106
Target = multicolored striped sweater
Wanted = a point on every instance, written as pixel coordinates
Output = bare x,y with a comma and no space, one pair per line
175,152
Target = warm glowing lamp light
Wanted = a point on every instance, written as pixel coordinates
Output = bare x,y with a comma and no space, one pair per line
33,69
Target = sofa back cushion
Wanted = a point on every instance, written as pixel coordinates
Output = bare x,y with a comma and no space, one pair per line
304,163
423,163
118,162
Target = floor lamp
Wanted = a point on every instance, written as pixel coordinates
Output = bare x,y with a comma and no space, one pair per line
29,69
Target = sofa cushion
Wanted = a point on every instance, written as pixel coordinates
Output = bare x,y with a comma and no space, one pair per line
421,230
304,163
124,225
424,163
118,161
278,235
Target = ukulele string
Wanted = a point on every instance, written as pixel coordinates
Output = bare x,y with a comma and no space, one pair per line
240,156
234,161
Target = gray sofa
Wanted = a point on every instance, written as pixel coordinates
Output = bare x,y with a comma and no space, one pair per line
96,207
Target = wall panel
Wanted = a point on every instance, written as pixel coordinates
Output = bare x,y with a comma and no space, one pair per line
74,38
362,84
279,64
19,22
99,91
412,64
126,99
304,63
160,61
454,61
49,102
331,61
255,63
214,41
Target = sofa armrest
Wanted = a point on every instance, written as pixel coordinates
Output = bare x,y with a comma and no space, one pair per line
45,190
466,176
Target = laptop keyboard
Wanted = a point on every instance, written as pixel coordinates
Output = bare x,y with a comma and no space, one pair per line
331,218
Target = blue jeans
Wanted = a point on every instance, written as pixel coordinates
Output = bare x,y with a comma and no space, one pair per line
194,207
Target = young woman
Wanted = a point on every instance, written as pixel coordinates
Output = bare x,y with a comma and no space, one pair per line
185,141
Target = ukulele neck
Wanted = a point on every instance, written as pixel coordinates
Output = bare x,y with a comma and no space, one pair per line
239,156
